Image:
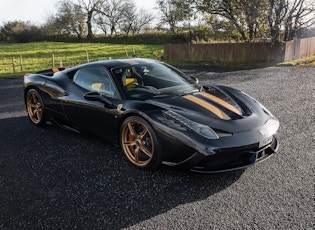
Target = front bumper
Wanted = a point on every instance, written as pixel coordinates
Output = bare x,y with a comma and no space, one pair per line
229,159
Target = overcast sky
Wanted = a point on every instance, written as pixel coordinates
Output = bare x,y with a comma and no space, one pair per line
36,11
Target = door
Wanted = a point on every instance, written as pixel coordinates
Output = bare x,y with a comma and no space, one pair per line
97,116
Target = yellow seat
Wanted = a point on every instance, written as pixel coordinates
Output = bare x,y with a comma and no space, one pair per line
128,80
97,86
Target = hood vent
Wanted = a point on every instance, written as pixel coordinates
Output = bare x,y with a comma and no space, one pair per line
223,107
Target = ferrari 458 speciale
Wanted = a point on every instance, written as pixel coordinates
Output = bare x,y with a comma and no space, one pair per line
156,113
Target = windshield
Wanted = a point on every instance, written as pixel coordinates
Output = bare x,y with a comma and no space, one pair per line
153,80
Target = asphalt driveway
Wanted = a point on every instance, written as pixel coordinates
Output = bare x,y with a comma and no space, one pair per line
55,179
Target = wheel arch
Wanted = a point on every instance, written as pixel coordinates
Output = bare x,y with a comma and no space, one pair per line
28,88
130,114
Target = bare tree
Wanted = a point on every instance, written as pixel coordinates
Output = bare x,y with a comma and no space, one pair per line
262,18
102,23
277,11
70,19
90,8
289,16
173,12
243,14
301,13
134,20
111,12
128,17
143,18
73,14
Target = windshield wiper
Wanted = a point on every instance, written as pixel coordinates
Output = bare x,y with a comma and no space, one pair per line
191,91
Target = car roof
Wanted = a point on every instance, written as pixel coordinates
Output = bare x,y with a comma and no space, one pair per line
112,63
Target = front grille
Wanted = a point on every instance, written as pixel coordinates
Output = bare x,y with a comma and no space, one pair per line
232,158
266,151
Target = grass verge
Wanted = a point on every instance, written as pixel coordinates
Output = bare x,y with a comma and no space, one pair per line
18,59
307,61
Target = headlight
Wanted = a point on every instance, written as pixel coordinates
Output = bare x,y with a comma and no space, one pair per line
201,129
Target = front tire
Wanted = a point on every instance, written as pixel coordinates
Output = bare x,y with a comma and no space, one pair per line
35,107
139,143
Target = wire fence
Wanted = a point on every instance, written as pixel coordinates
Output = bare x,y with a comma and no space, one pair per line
20,63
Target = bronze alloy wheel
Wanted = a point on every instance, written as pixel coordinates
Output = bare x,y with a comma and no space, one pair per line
139,143
34,106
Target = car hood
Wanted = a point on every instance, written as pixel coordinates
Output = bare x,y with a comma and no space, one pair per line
220,107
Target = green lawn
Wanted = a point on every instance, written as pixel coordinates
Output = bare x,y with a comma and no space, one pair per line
18,59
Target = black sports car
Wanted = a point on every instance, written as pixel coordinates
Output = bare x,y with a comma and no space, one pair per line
156,113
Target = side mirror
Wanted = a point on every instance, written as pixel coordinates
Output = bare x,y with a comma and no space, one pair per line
96,96
195,79
93,96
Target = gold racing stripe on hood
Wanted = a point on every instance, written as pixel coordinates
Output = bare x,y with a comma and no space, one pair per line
208,106
221,102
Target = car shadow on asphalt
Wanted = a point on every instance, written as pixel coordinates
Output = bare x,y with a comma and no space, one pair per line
58,179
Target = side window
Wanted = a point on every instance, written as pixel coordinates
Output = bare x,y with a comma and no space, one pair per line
95,79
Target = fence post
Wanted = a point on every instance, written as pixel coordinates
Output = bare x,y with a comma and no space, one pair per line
13,65
21,63
87,56
53,61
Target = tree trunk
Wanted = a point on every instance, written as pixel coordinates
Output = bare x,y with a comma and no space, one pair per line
89,26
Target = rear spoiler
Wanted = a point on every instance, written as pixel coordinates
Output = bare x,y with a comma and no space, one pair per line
49,72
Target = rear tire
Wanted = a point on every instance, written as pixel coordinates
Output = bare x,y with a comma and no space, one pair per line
139,143
35,107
